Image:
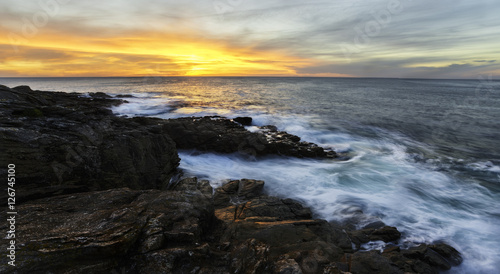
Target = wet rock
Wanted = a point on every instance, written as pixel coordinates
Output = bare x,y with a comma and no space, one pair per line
100,228
287,266
448,252
245,121
64,143
440,255
386,234
73,159
100,95
371,262
251,256
236,192
285,226
222,135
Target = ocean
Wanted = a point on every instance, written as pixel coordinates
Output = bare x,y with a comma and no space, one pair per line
421,155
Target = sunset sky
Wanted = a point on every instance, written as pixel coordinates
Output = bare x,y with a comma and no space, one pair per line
358,38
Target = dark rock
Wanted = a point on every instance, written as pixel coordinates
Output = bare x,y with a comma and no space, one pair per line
100,95
23,89
372,262
287,266
63,143
448,252
68,149
285,226
125,96
95,230
251,256
225,136
386,234
269,128
246,121
440,255
236,192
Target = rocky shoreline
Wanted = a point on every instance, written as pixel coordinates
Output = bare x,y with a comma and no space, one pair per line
97,193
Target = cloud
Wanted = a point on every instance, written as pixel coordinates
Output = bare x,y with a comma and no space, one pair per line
345,37
398,69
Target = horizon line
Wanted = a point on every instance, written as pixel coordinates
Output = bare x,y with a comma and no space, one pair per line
249,76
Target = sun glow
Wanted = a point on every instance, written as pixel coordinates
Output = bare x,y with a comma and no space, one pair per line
152,54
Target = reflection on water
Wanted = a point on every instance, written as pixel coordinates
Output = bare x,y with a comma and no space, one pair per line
424,154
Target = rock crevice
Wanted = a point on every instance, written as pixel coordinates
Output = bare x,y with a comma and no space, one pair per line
97,194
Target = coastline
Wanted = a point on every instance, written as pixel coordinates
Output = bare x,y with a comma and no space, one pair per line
75,158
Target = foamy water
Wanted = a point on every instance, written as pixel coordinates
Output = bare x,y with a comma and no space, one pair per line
430,178
381,179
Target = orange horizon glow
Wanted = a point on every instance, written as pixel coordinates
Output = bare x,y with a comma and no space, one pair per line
150,54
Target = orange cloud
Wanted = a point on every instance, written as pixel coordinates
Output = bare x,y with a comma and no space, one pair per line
52,53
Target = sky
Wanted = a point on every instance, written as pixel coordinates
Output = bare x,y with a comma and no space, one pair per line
335,38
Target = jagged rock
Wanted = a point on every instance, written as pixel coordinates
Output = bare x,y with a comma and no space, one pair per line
245,121
439,255
237,191
213,133
68,148
282,224
386,234
287,266
251,257
448,252
372,262
98,230
65,143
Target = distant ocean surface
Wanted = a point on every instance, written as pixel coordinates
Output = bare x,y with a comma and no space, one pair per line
424,155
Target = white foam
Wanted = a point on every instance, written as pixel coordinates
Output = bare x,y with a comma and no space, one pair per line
424,204
380,179
485,166
143,106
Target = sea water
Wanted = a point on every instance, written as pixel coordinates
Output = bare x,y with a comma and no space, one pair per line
422,155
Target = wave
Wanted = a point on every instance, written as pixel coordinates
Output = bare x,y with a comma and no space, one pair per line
382,181
388,177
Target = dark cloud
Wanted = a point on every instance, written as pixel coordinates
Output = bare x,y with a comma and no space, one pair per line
398,69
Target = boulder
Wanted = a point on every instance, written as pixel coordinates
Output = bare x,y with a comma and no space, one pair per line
218,134
65,143
97,194
95,232
385,234
237,191
245,121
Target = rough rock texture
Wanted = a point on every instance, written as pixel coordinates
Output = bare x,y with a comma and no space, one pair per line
65,143
297,243
95,232
225,136
94,195
246,121
180,230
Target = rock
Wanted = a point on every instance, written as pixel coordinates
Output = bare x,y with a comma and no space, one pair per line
213,133
64,143
236,192
287,266
448,252
100,95
245,121
252,257
386,234
371,262
97,194
100,228
439,255
283,225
